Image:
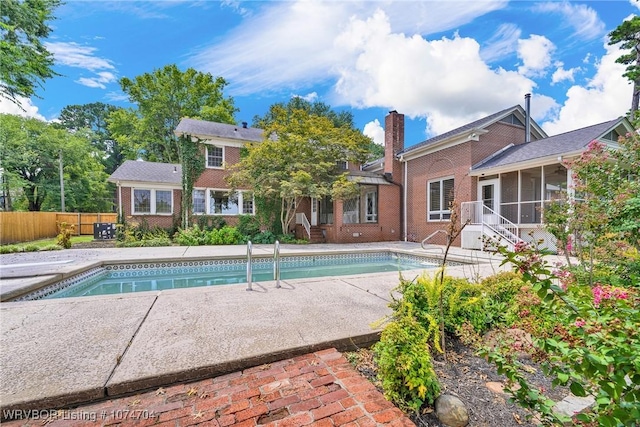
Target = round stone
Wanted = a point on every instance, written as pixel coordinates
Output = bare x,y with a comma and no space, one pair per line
451,411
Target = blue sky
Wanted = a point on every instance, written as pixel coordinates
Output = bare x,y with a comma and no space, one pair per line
441,63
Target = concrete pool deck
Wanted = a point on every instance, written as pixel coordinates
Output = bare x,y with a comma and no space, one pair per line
59,353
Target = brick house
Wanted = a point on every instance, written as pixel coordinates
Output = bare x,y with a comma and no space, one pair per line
500,169
151,192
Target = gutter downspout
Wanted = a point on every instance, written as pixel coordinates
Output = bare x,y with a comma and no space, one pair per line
404,198
119,199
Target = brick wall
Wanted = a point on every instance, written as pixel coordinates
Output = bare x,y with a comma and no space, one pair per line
163,221
500,135
393,144
214,178
388,227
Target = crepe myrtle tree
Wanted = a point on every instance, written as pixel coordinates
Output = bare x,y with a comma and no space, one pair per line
297,159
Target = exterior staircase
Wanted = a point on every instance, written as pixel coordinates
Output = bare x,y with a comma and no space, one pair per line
492,224
316,235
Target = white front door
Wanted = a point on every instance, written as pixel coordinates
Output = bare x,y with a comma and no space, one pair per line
489,193
314,211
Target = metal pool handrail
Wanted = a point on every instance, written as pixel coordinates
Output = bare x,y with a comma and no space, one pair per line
276,263
249,272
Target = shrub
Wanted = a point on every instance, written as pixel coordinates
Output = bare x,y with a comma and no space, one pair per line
211,222
142,235
225,236
51,248
249,225
32,248
404,364
593,349
193,236
65,231
264,237
9,249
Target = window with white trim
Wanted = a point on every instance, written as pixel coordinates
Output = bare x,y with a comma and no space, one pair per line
215,156
223,202
439,199
199,201
371,206
152,201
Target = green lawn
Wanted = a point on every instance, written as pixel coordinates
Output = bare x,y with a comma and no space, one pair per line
38,245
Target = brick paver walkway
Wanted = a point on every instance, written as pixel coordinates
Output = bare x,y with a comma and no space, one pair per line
317,389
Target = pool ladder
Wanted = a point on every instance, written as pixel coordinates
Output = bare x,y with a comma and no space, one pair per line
276,265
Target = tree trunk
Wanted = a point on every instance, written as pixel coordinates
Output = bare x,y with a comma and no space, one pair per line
636,98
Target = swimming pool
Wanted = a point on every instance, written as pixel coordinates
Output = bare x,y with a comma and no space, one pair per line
141,277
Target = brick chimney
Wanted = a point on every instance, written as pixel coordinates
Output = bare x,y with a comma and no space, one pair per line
393,144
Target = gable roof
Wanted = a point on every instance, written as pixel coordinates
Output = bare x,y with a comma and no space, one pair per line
205,130
475,125
557,145
151,172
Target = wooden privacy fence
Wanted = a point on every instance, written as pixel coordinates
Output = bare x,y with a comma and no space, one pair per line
26,226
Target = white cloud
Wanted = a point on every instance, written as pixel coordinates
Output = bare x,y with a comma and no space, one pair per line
561,74
635,3
116,96
584,20
74,55
605,96
99,81
27,110
502,43
261,55
444,81
374,131
535,53
310,97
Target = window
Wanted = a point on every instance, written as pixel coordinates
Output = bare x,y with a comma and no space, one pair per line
351,211
215,156
141,201
371,206
149,201
163,201
439,199
222,202
342,165
199,202
247,203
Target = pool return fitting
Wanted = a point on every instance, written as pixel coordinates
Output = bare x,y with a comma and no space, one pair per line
276,265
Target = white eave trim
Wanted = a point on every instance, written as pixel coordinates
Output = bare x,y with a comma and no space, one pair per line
146,184
470,135
539,161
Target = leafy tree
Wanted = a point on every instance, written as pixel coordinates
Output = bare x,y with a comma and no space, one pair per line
628,34
298,156
94,116
163,97
24,61
30,152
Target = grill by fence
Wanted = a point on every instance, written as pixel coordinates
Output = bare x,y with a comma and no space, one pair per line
26,226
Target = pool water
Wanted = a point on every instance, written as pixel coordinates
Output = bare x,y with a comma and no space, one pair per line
127,278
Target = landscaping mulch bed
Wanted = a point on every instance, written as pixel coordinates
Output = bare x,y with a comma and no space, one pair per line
466,375
95,244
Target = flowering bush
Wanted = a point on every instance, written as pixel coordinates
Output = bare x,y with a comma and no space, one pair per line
597,351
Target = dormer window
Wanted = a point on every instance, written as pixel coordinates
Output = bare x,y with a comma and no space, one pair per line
215,156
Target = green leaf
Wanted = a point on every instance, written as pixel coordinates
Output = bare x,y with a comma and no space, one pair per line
577,389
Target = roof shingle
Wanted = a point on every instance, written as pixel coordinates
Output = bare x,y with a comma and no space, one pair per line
554,145
220,130
141,171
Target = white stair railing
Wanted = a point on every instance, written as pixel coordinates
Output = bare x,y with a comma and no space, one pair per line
478,213
301,218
